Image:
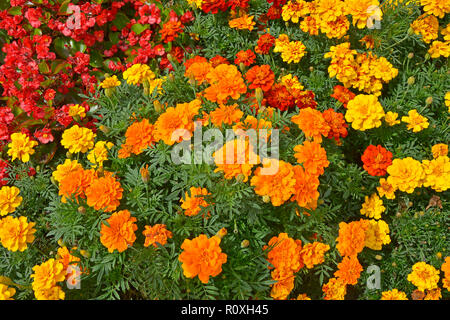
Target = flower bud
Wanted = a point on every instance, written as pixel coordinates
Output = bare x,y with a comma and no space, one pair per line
378,257
222,233
410,55
429,100
410,31
259,95
266,199
240,177
81,210
110,91
411,80
145,174
245,243
158,106
104,129
61,243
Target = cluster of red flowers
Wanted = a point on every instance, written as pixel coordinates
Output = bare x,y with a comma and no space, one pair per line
214,6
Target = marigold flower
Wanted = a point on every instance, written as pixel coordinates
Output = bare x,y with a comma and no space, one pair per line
226,115
391,118
372,207
77,111
21,147
100,153
9,199
265,43
376,159
424,276
247,58
312,156
446,269
260,77
386,189
74,183
47,274
15,233
78,139
436,7
284,285
65,256
306,185
427,26
138,137
242,23
202,257
54,293
351,239
405,174
104,193
364,112
377,234
110,82
437,173
393,294
362,10
415,121
439,48
313,254
440,149
138,73
293,52
349,270
198,70
119,233
312,123
170,30
193,204
156,234
434,294
284,253
334,289
226,82
279,97
6,293
234,158
336,122
267,184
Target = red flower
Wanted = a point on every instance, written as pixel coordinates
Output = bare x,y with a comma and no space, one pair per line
279,97
265,43
342,94
44,136
304,99
3,173
246,57
376,159
218,60
214,6
338,126
260,77
170,31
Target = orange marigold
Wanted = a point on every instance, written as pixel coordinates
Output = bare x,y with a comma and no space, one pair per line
276,180
75,183
342,94
247,58
202,257
312,156
139,136
337,124
198,71
260,77
243,23
193,204
284,285
284,253
226,82
312,123
156,234
313,254
376,160
306,185
226,114
119,233
104,193
351,239
334,289
349,270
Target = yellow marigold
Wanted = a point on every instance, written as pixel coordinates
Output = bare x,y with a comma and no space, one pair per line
138,137
362,10
65,168
202,257
434,294
349,270
437,173
21,147
439,48
9,199
156,234
47,274
313,254
284,285
66,258
351,239
235,158
415,121
54,293
427,26
303,296
294,10
226,115
335,29
391,118
393,294
291,82
377,234
104,193
242,23
440,149
280,177
364,112
372,207
78,139
6,293
100,153
312,123
424,276
119,233
77,110
293,52
405,174
193,204
284,253
177,124
138,73
195,3
281,43
334,289
15,233
447,100
436,7
110,82
386,189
